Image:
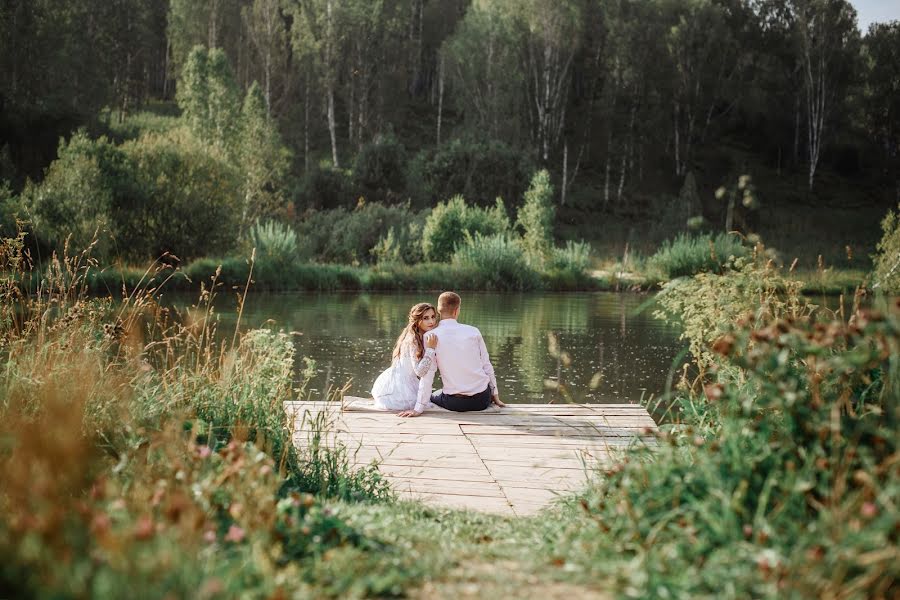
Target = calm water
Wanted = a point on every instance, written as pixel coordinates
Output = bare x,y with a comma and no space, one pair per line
627,354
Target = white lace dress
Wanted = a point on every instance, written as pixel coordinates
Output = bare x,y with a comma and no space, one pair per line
398,388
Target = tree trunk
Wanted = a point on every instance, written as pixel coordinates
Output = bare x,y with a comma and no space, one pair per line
440,98
677,139
330,75
350,106
332,126
306,125
797,129
608,168
565,172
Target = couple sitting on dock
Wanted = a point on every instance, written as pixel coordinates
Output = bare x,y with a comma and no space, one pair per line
424,346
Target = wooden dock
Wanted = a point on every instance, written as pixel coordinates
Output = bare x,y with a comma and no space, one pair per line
513,460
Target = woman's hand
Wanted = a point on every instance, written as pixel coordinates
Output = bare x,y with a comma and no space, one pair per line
408,413
431,341
495,399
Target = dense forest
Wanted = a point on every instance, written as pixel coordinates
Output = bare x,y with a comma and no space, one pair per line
639,110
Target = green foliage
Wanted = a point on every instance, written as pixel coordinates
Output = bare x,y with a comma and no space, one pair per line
79,192
451,222
11,210
189,202
536,219
136,124
887,258
380,170
499,261
707,305
358,236
326,188
493,102
275,243
478,171
120,430
263,160
774,484
209,99
689,254
575,258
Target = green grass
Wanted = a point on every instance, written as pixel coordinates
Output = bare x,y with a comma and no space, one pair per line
233,273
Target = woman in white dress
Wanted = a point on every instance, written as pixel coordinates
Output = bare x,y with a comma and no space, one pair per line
398,387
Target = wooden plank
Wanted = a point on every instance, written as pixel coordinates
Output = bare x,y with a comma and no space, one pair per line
473,474
438,486
514,460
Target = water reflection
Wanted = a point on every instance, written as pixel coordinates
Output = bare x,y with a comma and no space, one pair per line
350,336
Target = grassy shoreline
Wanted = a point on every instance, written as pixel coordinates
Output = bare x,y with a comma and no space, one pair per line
312,277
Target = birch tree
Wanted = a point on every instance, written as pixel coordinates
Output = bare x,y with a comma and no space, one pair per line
316,33
828,37
267,32
263,160
552,36
487,88
704,56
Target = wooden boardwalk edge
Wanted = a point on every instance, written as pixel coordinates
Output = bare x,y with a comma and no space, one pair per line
515,460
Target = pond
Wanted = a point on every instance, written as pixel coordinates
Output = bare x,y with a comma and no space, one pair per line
617,352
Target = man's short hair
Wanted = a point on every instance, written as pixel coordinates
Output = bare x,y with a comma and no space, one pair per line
448,302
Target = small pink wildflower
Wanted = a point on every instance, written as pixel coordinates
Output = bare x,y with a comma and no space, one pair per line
235,534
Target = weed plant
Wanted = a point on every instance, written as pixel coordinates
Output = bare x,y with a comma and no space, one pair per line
499,260
779,475
688,255
140,450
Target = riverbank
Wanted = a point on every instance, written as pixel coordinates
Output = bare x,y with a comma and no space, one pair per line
234,273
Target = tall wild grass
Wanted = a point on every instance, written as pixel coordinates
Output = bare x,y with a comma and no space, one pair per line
779,471
144,450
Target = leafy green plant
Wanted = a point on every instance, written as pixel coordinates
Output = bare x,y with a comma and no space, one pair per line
189,202
351,237
707,305
535,218
379,172
575,257
275,243
478,171
688,254
776,481
450,222
498,260
887,257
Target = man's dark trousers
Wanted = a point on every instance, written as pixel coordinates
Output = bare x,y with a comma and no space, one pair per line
460,403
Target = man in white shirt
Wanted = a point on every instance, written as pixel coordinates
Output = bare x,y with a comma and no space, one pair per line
462,358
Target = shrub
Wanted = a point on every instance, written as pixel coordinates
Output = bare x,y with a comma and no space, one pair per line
275,243
189,203
449,223
498,261
777,480
263,160
479,171
326,188
137,124
351,237
10,209
887,257
78,193
687,255
707,305
574,258
536,219
379,170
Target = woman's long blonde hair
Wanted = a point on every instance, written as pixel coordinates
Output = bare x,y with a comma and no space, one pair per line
416,314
